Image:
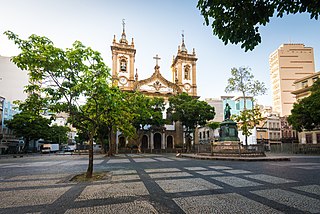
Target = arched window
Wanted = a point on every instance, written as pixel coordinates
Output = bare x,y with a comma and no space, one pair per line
123,65
187,72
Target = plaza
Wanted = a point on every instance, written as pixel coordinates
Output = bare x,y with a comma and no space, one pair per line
148,183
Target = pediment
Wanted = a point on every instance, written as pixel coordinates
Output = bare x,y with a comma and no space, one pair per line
157,84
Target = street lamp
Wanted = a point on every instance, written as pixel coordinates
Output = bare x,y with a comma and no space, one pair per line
2,99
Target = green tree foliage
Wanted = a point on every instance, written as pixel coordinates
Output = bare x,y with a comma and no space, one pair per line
148,110
58,134
191,112
213,125
305,114
243,81
66,79
247,120
239,21
148,113
30,126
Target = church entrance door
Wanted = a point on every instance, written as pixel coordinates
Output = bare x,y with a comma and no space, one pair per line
157,141
144,142
122,142
169,142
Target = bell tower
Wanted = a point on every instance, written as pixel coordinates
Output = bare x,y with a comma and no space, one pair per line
184,71
123,58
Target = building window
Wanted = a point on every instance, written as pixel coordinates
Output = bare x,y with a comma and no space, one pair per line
314,79
208,135
187,72
123,65
238,106
204,134
309,138
200,135
304,84
318,137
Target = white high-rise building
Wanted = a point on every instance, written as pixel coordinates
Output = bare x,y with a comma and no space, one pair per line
12,80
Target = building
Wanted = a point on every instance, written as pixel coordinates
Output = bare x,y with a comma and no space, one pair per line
302,90
218,108
12,80
290,62
237,103
289,135
302,86
126,78
268,132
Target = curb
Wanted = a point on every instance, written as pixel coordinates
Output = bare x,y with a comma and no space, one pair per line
201,157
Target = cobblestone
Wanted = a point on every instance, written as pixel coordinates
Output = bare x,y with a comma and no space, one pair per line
186,185
145,183
222,204
291,199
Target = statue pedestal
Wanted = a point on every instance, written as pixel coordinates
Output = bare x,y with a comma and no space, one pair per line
229,142
228,131
226,145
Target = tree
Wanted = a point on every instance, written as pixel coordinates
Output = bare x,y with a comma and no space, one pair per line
306,113
191,112
213,125
148,113
67,78
58,134
30,126
247,120
239,21
242,81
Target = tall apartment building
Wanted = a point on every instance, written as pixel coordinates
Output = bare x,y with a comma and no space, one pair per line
12,80
218,108
288,63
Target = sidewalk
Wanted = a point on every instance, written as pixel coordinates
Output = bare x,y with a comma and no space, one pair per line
209,157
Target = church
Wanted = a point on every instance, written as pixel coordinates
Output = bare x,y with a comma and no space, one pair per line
126,78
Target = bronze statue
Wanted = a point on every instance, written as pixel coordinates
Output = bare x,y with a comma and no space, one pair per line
227,113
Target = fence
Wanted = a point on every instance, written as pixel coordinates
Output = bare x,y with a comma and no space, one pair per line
295,148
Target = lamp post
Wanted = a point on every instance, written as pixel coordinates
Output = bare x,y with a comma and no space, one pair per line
2,99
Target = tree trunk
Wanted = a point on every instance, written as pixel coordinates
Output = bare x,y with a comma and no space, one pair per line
90,164
101,141
26,145
244,109
112,144
246,140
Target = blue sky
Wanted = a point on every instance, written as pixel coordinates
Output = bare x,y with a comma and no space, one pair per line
156,27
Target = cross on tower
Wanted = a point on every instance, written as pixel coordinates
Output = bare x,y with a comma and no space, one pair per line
182,35
123,24
156,58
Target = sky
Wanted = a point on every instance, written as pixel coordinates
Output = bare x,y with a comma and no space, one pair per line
156,27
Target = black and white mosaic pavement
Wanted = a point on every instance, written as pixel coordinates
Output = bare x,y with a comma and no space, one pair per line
159,184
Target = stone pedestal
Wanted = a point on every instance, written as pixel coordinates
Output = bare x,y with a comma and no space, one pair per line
228,132
226,145
229,142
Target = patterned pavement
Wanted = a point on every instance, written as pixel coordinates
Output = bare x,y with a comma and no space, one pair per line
159,184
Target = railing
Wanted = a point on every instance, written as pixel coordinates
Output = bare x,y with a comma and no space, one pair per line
295,148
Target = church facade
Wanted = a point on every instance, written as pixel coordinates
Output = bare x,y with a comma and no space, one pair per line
125,76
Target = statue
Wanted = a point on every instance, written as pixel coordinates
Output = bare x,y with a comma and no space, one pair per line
227,113
228,128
